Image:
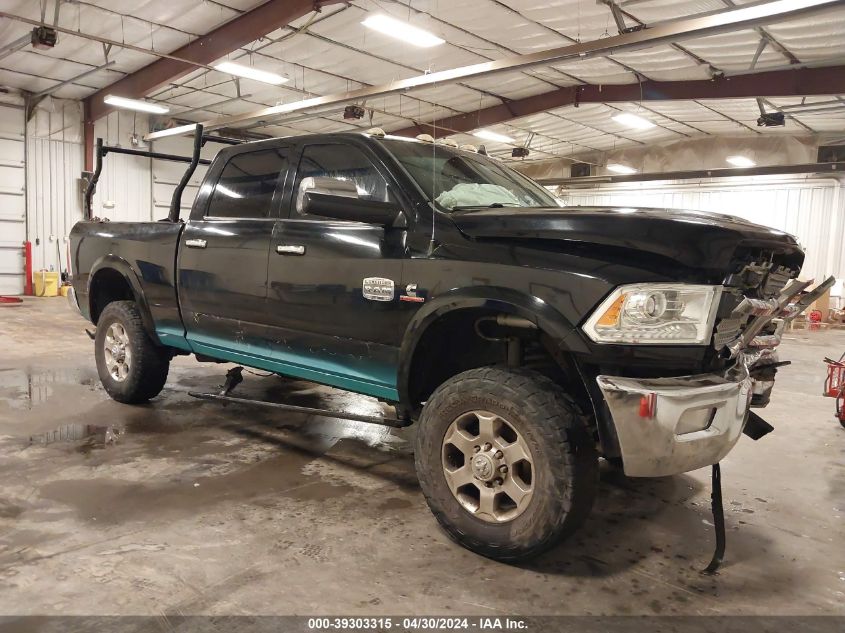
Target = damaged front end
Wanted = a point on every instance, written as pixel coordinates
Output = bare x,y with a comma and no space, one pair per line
755,328
668,426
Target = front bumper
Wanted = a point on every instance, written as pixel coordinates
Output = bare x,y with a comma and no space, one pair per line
668,426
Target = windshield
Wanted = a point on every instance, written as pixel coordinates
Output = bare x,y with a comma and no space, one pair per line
456,179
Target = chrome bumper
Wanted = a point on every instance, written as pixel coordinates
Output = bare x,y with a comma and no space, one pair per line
668,426
72,302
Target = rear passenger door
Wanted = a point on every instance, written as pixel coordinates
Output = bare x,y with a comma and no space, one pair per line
223,251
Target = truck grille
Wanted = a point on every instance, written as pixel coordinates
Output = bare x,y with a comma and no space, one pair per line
748,293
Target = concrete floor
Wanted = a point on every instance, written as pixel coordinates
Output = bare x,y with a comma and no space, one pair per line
199,509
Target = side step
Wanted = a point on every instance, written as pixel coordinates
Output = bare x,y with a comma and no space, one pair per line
371,419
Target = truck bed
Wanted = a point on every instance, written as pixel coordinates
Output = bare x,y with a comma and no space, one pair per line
143,252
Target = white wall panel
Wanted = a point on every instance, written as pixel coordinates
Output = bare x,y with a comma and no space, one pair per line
167,174
54,167
124,192
811,209
12,199
55,199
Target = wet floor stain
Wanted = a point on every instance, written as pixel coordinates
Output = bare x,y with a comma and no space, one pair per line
92,434
395,503
26,388
113,501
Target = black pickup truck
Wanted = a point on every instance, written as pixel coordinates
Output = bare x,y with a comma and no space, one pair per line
524,339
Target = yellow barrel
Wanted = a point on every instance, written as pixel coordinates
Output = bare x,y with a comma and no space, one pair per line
46,283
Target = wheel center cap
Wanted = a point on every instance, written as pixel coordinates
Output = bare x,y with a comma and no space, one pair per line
483,467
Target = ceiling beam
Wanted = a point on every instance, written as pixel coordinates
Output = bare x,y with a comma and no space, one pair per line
202,51
780,83
836,169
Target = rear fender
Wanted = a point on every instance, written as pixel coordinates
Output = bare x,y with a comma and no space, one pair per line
121,266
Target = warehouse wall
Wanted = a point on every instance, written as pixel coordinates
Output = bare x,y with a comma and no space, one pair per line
54,167
12,195
124,191
41,165
40,200
167,174
687,154
813,209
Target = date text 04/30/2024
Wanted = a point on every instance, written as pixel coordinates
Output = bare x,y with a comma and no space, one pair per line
418,624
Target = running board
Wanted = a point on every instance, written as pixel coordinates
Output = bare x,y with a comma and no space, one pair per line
370,419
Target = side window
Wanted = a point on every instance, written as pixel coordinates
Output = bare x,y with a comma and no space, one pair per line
341,170
246,185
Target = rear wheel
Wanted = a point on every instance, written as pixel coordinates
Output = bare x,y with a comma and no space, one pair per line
131,367
506,462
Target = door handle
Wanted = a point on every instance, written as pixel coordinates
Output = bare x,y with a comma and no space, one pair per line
290,249
195,243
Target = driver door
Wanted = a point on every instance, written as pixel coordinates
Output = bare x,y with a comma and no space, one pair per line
333,285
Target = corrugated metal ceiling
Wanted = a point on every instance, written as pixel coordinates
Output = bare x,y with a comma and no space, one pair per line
331,52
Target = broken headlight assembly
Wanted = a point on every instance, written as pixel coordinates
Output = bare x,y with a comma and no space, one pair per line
656,314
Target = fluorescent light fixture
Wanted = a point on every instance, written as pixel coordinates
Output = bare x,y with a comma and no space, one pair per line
248,72
740,161
621,169
172,131
135,104
489,135
632,120
402,31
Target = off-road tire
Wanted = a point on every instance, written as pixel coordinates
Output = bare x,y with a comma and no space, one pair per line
149,366
561,445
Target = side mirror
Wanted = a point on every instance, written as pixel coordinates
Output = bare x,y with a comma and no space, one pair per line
340,207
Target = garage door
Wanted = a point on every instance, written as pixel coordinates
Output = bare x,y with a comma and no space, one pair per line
12,200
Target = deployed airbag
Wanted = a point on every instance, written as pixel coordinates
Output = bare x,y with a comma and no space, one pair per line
468,194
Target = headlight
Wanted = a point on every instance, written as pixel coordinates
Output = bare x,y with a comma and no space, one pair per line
655,314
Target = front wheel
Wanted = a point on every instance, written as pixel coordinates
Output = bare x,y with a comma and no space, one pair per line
131,367
506,462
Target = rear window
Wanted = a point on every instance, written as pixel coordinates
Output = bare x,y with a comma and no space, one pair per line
246,186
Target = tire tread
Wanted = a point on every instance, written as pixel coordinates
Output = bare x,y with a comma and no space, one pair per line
150,362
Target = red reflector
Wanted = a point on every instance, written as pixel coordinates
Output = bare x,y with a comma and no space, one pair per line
647,403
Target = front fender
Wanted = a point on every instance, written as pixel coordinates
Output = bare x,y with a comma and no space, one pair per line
503,300
121,266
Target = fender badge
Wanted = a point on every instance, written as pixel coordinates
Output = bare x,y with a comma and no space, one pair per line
377,289
411,294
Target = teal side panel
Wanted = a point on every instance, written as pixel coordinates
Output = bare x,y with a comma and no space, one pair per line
322,370
173,337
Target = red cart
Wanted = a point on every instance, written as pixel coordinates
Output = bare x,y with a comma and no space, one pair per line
834,385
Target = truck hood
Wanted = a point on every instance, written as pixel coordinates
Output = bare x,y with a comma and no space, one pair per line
692,238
